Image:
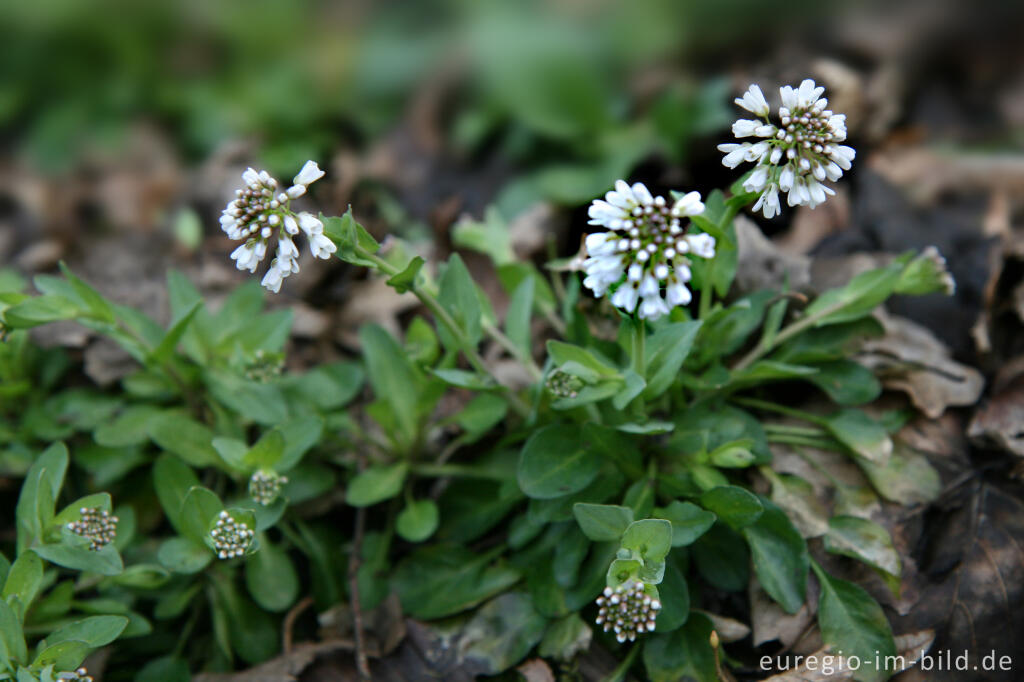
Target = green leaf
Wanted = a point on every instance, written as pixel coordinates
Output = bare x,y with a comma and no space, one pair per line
73,552
649,428
907,477
489,237
847,382
562,353
165,349
39,491
39,310
864,540
675,599
863,293
66,655
780,557
616,447
555,462
198,512
481,414
24,580
258,640
329,386
263,403
853,623
12,638
95,631
421,344
652,538
300,434
98,306
347,234
418,520
736,454
406,279
172,480
182,294
131,427
733,505
393,379
271,578
688,520
667,350
602,522
859,432
185,437
232,451
183,555
165,669
634,386
457,293
376,484
517,316
722,558
465,379
443,580
267,452
684,654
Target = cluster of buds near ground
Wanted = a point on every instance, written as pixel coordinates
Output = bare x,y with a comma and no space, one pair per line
98,525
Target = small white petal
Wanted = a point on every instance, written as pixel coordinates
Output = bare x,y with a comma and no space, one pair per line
310,173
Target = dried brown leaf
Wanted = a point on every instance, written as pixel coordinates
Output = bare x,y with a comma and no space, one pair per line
762,265
536,670
910,359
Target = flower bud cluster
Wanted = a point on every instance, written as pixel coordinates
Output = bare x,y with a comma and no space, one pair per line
231,538
260,211
796,154
96,524
645,250
627,610
265,486
562,384
264,366
80,675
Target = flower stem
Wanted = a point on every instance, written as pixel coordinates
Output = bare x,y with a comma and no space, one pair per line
429,299
780,409
707,287
639,361
620,671
639,344
785,334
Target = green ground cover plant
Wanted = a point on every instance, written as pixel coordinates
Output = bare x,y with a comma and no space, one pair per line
183,514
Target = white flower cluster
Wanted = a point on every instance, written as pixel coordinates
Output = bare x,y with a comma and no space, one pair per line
95,524
645,250
627,610
80,675
796,155
265,486
231,538
260,210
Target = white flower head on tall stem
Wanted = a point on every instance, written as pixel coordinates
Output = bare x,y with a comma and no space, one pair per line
261,212
644,258
796,153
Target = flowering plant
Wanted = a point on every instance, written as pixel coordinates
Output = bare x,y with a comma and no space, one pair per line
628,474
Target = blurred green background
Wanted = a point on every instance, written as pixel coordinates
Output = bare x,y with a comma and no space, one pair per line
578,91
